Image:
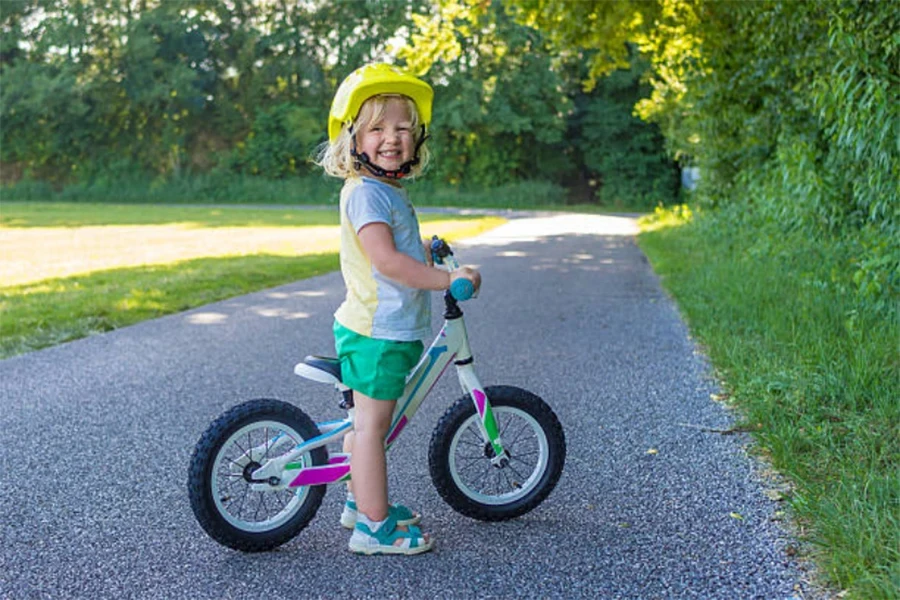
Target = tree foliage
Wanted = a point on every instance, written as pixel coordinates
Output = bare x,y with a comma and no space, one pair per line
165,86
790,109
92,88
513,108
622,151
497,101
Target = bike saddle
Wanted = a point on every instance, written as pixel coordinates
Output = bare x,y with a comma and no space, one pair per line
323,369
326,369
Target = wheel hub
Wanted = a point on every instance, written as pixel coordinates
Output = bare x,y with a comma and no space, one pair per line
489,450
248,471
491,455
251,467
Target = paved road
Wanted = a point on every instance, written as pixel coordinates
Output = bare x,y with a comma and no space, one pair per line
96,437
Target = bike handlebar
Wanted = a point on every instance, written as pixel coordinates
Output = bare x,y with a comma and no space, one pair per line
461,289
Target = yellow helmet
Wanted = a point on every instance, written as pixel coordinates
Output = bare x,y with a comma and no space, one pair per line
372,80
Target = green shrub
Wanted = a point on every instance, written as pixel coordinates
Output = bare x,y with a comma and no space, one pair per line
280,142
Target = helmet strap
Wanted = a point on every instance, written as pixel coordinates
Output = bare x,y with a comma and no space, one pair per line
363,160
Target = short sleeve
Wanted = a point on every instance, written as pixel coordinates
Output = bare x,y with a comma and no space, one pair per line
368,204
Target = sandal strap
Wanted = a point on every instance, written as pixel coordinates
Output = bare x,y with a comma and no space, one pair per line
388,533
400,512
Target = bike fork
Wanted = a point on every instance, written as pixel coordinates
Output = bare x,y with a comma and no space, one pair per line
487,423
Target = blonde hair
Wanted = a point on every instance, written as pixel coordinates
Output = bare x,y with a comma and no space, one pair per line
335,158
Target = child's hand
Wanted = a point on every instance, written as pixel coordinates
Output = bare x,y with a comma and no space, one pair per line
470,273
429,259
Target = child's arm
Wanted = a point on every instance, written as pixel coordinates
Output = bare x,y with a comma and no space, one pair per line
378,243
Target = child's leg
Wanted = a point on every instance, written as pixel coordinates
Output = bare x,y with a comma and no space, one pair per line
373,532
368,467
348,449
403,515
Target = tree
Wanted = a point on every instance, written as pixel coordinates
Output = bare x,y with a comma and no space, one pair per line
499,104
622,155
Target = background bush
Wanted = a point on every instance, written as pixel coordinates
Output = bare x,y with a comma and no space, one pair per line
167,90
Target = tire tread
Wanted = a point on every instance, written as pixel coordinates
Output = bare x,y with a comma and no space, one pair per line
454,417
201,467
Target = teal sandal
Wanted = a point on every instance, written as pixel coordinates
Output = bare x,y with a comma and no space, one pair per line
384,541
403,515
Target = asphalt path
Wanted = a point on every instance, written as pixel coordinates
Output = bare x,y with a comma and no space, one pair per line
653,502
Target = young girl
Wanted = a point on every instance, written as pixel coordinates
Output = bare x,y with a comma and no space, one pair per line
376,131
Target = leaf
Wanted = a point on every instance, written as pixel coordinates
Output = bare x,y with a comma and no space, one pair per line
774,495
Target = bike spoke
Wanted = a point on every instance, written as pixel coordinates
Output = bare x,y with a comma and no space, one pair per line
475,434
479,444
512,485
519,475
243,452
483,476
471,462
262,502
240,509
519,433
505,426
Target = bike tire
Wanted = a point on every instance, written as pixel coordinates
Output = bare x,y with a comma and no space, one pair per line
212,476
458,456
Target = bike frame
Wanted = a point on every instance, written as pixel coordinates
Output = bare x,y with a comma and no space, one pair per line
451,344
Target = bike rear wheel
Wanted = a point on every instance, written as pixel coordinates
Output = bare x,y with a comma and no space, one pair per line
461,462
232,506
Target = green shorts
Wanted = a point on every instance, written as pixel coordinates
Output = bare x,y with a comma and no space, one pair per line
376,368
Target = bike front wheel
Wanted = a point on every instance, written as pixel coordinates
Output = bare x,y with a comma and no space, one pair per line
462,463
235,508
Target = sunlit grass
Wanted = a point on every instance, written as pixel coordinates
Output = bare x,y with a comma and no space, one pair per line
814,370
61,240
52,312
107,267
84,214
664,217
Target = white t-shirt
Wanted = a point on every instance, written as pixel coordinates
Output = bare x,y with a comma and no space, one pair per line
376,306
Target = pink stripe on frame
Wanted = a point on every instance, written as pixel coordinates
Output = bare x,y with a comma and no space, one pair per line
336,460
479,400
400,425
320,475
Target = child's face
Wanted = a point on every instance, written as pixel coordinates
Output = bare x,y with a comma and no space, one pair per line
389,140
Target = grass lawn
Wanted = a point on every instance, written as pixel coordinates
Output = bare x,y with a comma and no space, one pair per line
813,367
70,270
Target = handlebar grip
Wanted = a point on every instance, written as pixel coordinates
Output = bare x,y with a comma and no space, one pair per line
462,289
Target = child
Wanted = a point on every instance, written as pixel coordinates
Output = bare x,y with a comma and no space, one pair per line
376,131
